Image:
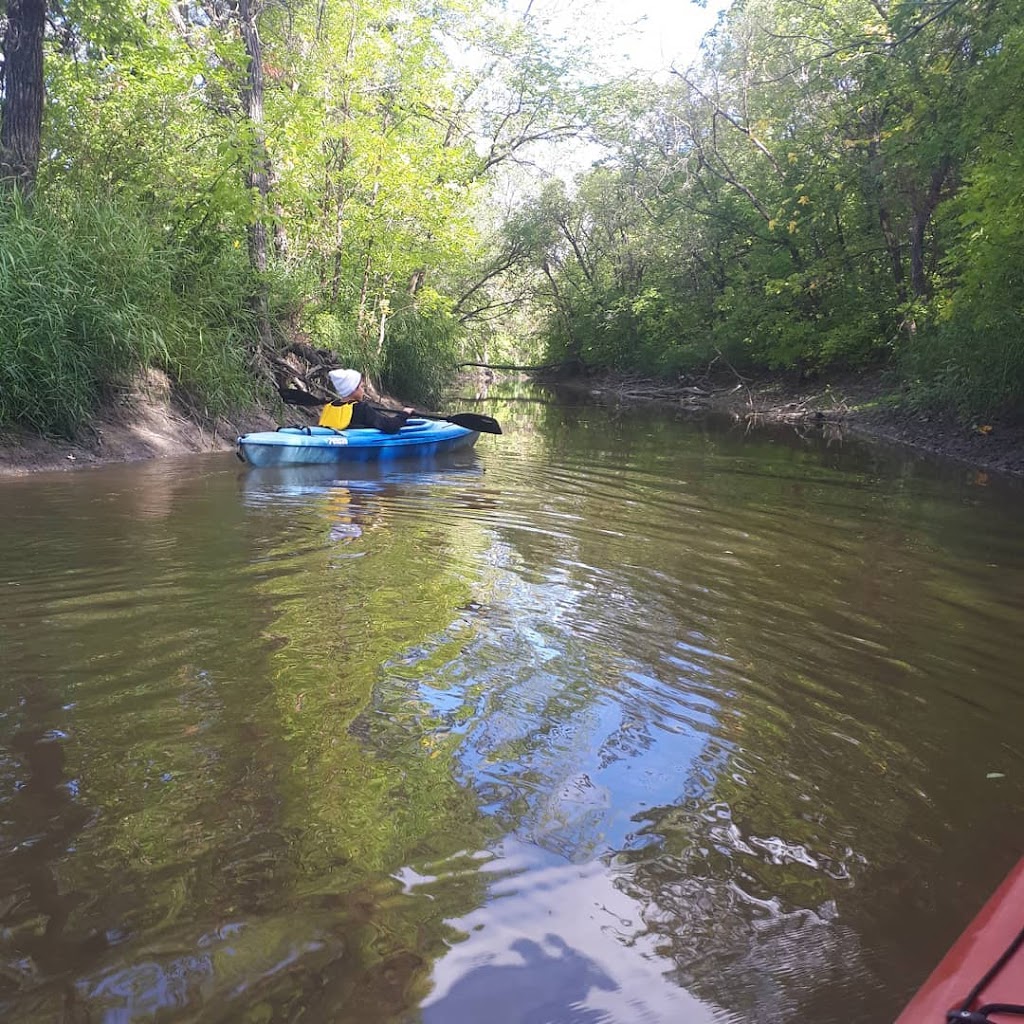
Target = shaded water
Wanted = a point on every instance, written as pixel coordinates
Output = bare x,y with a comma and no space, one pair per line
612,719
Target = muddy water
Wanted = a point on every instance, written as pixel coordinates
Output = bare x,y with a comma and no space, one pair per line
612,719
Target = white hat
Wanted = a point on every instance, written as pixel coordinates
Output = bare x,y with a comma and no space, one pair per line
345,381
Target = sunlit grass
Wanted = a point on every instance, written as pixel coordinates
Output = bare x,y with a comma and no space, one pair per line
93,293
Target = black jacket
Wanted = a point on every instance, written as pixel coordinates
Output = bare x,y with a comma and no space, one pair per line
386,420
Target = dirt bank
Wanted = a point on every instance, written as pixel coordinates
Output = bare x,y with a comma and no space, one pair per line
144,423
864,406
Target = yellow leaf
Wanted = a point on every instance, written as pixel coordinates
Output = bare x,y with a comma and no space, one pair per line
792,227
804,200
985,429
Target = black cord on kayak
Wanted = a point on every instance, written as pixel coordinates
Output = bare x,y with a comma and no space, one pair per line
965,1015
981,1015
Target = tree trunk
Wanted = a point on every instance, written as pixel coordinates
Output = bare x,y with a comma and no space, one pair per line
876,189
918,278
416,280
335,179
338,194
364,288
257,175
385,310
23,93
892,246
924,206
573,346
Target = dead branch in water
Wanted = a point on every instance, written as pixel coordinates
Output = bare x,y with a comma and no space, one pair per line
803,413
519,369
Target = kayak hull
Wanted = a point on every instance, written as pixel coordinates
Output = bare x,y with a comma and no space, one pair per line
305,446
983,942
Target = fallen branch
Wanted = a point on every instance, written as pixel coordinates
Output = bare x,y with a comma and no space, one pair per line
522,369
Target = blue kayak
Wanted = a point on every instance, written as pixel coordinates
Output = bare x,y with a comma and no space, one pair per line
296,446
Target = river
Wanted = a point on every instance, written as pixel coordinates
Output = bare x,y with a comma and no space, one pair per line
618,717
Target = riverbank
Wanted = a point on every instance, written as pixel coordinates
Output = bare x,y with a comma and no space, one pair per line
148,422
145,422
863,405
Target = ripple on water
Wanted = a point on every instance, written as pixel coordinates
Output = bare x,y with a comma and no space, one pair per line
623,724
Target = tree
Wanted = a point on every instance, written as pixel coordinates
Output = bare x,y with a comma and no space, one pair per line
23,91
257,167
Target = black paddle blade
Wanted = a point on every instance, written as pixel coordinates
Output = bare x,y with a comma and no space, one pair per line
473,421
293,396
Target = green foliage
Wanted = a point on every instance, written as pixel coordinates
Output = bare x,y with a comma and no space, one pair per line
419,360
972,358
370,138
328,330
832,185
88,295
415,361
973,372
209,329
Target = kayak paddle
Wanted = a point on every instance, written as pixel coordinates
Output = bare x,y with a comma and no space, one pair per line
469,420
293,396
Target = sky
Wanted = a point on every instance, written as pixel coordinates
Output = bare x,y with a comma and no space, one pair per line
664,31
645,35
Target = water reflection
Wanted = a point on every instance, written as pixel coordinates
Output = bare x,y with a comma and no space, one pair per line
558,943
42,814
271,483
613,718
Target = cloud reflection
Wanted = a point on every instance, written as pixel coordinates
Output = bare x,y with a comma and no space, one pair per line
557,943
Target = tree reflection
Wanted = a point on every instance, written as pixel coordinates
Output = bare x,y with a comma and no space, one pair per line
713,684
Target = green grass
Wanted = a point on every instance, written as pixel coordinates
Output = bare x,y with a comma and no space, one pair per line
974,369
91,294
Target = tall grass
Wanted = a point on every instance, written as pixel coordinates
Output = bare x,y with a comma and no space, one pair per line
91,293
421,351
974,372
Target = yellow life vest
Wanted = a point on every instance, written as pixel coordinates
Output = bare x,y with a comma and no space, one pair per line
337,415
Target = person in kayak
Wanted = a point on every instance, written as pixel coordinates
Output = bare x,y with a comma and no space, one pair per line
351,410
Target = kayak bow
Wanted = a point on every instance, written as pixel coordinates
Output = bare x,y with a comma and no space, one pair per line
981,979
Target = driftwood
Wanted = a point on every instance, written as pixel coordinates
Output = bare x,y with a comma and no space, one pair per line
300,367
317,357
289,371
802,412
692,395
519,369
